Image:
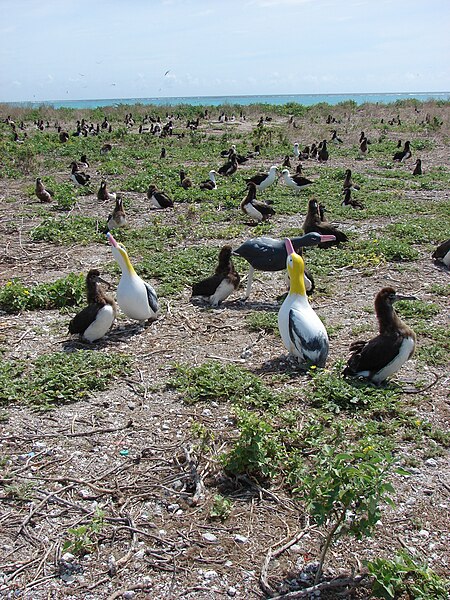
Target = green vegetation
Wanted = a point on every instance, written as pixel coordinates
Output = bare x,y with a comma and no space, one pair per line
59,377
68,291
405,575
83,539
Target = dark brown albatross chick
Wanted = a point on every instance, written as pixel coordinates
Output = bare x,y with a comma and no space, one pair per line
386,353
220,285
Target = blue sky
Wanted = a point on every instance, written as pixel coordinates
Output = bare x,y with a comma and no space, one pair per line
75,49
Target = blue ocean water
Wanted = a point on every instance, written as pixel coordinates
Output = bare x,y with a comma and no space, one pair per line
305,99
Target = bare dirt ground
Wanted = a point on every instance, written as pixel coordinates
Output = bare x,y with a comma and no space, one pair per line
130,450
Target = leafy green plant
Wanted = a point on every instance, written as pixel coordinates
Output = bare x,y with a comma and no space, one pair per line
83,539
344,491
68,291
59,377
66,230
263,321
213,381
403,574
256,450
221,508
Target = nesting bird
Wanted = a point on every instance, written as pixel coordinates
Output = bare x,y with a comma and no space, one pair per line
296,182
404,154
79,177
219,286
210,183
442,253
230,167
418,167
301,330
349,201
348,182
103,194
159,199
94,321
263,180
105,149
322,153
43,194
258,211
314,222
386,353
185,182
118,217
136,298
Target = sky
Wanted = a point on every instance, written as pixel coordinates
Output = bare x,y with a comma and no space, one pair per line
79,49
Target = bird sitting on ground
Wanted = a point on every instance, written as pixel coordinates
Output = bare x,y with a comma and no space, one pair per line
296,182
403,154
287,161
348,182
219,286
105,149
349,201
418,167
230,167
386,353
159,199
103,195
82,163
43,194
335,139
322,153
79,177
185,182
301,330
314,222
118,217
94,321
442,253
136,298
258,211
210,183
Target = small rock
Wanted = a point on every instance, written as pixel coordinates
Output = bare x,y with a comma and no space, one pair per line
240,539
229,563
210,537
67,557
231,591
423,533
209,574
173,507
177,485
206,412
431,462
129,594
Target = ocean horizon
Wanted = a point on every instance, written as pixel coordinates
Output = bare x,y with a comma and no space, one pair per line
242,100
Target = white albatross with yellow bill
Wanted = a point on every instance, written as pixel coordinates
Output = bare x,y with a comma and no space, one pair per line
136,298
301,330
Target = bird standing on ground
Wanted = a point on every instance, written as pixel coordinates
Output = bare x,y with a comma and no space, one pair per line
43,194
386,353
219,286
301,330
263,180
268,254
258,211
136,298
94,321
363,147
322,153
296,182
442,253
